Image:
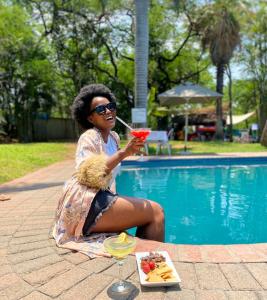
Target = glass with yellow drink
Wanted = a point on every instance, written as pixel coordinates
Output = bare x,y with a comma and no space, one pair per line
119,246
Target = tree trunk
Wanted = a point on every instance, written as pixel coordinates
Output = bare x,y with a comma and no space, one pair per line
264,136
141,53
25,126
219,89
263,111
230,104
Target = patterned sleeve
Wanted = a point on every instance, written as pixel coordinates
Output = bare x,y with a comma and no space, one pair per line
86,147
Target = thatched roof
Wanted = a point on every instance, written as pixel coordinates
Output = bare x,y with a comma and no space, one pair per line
209,110
201,116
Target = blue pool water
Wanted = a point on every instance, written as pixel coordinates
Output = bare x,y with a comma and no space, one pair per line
206,201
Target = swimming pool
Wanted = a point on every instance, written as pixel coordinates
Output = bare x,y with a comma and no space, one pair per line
206,201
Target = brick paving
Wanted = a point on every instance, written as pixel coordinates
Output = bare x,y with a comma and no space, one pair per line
32,267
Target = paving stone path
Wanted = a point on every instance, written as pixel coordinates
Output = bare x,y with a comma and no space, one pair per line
32,267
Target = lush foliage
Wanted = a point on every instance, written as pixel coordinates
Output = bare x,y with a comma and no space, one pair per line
27,75
50,48
255,58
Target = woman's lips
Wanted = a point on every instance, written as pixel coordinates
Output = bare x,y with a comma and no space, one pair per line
110,119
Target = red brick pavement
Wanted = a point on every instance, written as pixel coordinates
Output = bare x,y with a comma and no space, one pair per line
32,267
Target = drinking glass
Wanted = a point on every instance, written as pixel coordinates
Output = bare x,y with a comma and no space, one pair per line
119,249
141,133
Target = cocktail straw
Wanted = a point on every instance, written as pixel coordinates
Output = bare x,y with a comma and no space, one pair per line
124,123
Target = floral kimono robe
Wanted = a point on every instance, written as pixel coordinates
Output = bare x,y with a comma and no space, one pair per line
78,193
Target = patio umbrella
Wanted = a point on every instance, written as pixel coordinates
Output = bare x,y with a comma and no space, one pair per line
187,93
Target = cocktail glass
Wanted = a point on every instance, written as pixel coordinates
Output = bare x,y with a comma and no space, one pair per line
141,133
120,249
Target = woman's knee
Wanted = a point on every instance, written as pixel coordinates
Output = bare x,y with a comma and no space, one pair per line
158,212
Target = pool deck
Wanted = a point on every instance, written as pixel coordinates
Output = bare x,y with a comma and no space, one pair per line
32,267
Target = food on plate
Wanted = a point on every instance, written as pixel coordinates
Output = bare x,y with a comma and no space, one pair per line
161,273
154,257
155,267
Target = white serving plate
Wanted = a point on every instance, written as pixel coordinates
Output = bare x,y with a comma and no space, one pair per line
143,276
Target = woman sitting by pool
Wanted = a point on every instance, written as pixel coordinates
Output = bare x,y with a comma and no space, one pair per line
89,207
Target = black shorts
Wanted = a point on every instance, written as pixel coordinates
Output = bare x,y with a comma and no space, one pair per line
102,201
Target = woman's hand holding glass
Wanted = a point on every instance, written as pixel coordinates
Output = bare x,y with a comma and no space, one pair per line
134,146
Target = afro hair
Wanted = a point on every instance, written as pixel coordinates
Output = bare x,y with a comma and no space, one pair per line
82,103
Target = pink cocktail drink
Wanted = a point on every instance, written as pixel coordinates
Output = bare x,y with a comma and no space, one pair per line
141,133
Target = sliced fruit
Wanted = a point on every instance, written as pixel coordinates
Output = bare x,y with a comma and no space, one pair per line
152,265
122,238
146,268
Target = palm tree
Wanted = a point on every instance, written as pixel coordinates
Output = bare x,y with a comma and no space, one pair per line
230,94
220,32
141,52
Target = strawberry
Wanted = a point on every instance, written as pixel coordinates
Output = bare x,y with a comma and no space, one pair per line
143,262
152,265
146,268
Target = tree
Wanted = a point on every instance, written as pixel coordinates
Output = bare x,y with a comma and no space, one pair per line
230,94
263,139
174,56
91,42
219,31
26,76
254,56
73,43
141,52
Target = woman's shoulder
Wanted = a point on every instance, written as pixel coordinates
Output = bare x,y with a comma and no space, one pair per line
89,133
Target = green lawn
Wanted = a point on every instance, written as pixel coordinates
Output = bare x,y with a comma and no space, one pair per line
17,160
217,147
209,147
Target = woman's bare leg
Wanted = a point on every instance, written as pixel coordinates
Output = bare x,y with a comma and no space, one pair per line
129,212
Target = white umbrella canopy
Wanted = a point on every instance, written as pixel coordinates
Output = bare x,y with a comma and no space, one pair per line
180,94
187,93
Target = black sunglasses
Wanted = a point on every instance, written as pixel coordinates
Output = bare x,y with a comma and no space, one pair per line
101,109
